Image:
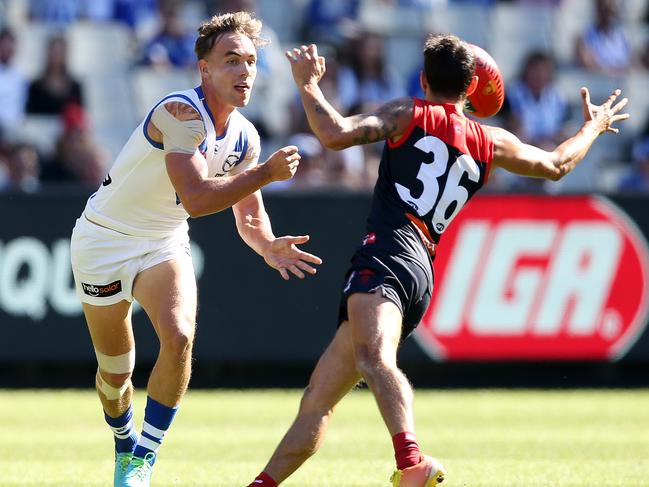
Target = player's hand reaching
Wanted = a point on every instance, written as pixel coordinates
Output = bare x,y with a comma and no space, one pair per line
284,256
604,115
306,65
283,163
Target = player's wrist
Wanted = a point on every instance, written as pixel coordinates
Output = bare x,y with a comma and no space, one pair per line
593,127
310,86
265,172
265,248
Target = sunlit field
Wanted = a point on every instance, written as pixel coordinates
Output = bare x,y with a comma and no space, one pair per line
487,438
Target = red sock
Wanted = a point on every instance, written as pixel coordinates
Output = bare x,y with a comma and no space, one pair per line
406,450
263,480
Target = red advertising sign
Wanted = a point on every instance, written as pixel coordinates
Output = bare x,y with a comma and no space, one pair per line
535,278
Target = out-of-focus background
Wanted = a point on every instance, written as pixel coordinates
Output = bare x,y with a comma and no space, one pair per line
551,276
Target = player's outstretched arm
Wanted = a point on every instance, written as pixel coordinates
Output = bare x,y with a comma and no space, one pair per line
202,195
280,253
334,130
524,159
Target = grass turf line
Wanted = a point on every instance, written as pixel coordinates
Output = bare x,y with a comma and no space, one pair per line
485,438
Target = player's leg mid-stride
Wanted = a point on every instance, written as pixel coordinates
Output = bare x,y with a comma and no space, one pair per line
173,316
364,346
113,340
167,292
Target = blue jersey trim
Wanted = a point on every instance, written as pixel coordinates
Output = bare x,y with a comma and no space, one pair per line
155,144
201,96
243,139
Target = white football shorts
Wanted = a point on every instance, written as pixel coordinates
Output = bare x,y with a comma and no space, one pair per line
105,262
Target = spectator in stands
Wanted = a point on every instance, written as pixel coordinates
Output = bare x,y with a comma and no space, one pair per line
474,2
173,45
413,86
22,169
135,13
637,178
330,21
644,55
13,87
58,12
551,3
367,79
55,87
604,47
535,110
314,172
78,158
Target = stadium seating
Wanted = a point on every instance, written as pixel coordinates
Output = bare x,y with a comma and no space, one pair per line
469,21
97,49
150,85
42,131
517,29
118,94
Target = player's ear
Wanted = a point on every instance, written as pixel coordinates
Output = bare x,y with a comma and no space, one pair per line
472,86
423,82
202,66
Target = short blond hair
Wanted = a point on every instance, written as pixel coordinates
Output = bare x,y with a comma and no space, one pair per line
243,23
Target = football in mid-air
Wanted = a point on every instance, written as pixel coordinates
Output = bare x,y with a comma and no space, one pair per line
488,97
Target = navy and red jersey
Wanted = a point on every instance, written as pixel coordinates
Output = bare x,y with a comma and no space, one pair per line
431,171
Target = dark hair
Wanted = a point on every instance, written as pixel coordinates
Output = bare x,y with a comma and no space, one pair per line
536,56
6,32
449,65
243,23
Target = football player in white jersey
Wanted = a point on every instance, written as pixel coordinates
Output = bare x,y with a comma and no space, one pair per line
193,155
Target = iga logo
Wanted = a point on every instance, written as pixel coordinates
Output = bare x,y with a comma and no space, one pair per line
538,278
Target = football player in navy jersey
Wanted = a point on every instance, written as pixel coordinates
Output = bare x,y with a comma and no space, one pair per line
434,160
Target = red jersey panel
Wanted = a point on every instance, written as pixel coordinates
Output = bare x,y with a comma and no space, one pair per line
432,171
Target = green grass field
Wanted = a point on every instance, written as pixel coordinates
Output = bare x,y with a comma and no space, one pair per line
490,438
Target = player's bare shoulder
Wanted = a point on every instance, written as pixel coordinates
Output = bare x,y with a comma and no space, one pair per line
176,118
389,121
182,111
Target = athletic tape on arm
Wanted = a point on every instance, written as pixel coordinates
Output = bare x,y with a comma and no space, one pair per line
182,136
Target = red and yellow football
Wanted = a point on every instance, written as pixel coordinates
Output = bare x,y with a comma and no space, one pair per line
488,97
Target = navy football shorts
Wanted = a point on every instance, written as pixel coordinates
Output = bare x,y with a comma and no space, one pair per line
397,265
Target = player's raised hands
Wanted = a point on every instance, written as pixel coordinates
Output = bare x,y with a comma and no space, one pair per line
283,163
283,255
606,114
307,66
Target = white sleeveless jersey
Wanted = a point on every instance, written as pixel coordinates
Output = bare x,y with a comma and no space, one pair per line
137,197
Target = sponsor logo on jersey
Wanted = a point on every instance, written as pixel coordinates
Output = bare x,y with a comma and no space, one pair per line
231,161
524,278
102,290
369,239
361,276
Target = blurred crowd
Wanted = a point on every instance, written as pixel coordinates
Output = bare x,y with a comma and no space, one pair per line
61,126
